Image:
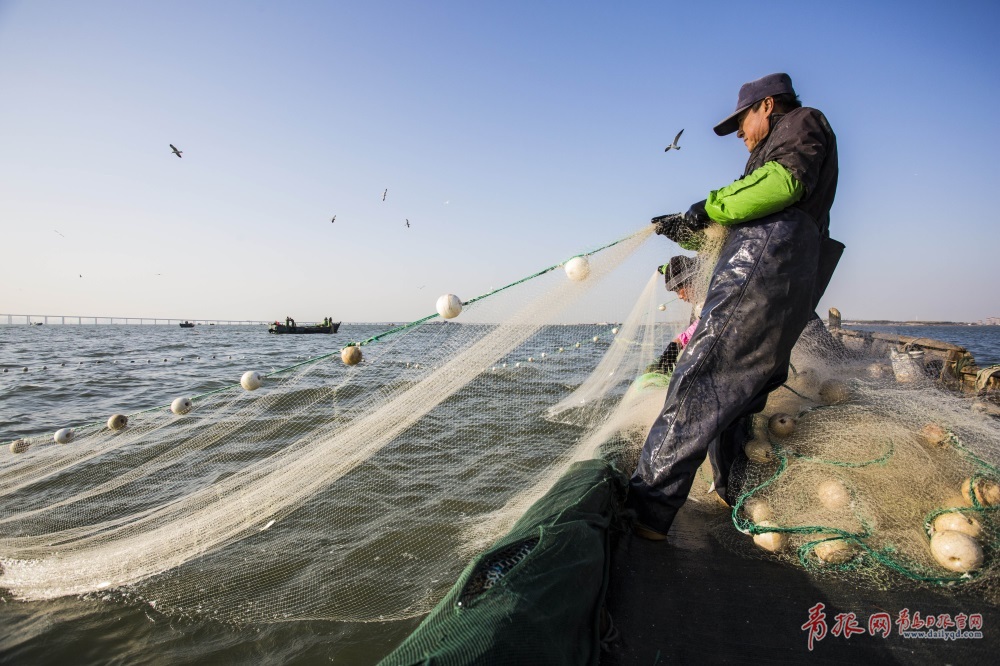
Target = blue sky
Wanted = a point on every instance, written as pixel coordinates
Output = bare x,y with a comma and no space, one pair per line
512,135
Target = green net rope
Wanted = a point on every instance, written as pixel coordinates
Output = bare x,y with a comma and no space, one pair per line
375,338
888,556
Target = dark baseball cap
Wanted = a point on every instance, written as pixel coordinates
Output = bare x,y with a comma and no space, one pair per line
752,92
678,272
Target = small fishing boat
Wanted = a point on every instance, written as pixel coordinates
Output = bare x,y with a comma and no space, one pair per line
305,328
187,324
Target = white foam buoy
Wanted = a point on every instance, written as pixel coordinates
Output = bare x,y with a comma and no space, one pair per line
181,406
531,359
662,307
987,493
595,338
543,354
934,435
834,551
64,436
560,349
578,345
18,446
759,451
770,541
577,268
956,551
955,521
614,331
833,494
758,510
834,392
781,425
117,422
352,355
449,306
251,380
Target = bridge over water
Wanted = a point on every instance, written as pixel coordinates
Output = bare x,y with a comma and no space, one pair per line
82,320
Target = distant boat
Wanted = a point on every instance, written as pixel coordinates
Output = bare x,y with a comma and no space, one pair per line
37,323
308,328
187,324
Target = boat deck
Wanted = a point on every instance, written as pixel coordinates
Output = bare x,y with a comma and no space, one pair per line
708,595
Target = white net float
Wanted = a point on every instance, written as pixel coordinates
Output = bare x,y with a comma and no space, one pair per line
352,355
577,268
251,380
181,406
956,551
449,306
772,542
833,494
956,521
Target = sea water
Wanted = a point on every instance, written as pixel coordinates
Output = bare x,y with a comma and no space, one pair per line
60,376
67,375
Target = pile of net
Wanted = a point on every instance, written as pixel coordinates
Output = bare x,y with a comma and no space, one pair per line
860,471
356,486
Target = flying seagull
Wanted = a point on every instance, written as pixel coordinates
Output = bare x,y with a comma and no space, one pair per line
674,144
407,223
176,152
385,193
57,231
334,219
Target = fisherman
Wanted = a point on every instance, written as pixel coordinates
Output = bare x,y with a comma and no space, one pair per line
678,274
764,288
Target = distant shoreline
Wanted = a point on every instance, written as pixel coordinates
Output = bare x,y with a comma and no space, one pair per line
885,322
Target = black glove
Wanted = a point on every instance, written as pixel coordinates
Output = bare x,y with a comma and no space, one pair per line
683,228
696,217
667,361
669,225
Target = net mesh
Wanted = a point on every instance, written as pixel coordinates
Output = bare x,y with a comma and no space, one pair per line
359,493
875,478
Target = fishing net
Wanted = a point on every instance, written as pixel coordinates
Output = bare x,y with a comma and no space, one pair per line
331,491
875,472
359,492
